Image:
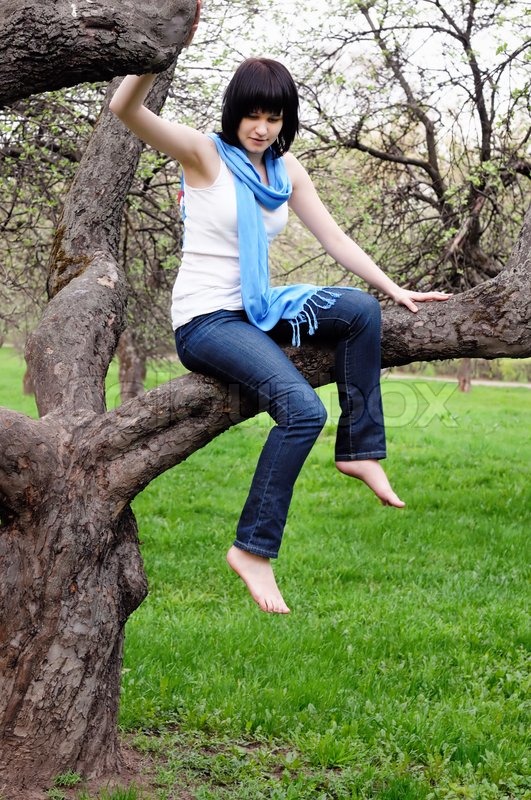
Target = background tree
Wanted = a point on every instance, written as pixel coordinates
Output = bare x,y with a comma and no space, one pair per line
41,143
71,569
433,100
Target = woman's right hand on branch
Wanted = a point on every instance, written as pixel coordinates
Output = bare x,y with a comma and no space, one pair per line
195,25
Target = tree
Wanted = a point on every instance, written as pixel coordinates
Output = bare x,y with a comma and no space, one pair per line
71,568
432,99
42,139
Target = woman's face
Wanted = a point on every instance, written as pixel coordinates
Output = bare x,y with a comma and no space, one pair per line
259,130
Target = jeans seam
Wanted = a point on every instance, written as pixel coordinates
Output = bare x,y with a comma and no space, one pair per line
257,551
262,500
378,454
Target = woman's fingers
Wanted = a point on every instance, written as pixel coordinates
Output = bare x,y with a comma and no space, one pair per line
427,296
195,24
409,298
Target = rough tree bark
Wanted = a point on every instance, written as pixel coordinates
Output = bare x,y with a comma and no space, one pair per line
48,46
71,570
63,610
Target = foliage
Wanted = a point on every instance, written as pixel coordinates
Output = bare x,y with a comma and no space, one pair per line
422,159
40,145
435,97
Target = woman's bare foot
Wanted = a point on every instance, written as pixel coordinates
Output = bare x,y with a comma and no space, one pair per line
372,473
257,574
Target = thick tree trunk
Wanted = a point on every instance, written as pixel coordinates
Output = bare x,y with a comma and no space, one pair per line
70,565
73,577
47,46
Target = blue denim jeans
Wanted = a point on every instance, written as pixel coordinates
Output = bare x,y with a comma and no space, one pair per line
225,345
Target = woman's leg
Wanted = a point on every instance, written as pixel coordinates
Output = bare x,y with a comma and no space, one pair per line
225,345
353,323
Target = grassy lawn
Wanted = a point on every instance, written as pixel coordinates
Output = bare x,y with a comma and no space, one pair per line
402,672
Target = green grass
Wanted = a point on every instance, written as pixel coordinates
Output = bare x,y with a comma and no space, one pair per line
12,368
403,670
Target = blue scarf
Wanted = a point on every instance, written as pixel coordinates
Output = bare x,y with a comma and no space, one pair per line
266,305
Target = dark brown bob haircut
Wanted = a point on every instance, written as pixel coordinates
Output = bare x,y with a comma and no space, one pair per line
261,84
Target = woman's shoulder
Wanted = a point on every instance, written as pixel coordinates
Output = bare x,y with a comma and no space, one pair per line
291,161
295,170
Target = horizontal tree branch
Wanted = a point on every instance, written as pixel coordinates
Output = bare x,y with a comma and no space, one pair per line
152,433
53,45
396,158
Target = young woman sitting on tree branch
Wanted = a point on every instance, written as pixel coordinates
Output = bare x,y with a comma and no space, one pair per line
230,323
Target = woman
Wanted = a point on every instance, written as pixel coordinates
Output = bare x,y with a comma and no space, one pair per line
230,323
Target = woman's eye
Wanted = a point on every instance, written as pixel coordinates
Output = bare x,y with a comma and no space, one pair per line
271,118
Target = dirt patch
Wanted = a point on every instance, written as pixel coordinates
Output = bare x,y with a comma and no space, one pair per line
139,771
178,763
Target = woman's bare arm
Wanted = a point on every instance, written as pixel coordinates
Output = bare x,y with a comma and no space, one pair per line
308,206
190,147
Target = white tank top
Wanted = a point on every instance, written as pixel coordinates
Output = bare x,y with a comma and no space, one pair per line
209,275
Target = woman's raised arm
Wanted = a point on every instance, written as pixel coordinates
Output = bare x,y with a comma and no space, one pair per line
185,144
190,147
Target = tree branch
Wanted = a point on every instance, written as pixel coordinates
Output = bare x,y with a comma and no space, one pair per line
69,352
93,209
53,45
148,435
416,108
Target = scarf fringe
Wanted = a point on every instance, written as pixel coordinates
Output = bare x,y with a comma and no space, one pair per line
324,298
